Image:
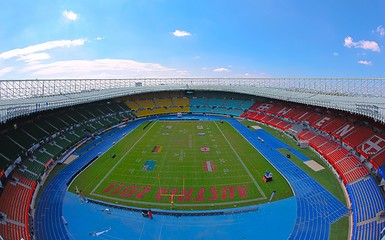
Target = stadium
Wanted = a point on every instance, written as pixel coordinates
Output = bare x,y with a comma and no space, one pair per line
223,158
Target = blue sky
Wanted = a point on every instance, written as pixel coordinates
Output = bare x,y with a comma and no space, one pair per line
179,38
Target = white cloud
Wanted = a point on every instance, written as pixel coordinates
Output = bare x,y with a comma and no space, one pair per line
100,68
221,70
70,15
19,52
335,54
6,70
380,30
181,33
34,57
364,62
367,45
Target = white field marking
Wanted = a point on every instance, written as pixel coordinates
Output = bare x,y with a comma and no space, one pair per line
121,158
243,164
173,185
174,172
181,155
179,204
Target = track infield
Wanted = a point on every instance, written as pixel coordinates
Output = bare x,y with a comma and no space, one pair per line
183,165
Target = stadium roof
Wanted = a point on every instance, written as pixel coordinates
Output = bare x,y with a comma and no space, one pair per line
361,96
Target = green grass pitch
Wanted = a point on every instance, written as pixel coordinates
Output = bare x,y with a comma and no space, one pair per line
195,164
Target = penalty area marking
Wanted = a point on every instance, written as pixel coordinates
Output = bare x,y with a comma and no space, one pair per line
121,158
243,164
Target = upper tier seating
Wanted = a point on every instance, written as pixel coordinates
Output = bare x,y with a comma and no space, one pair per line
214,102
146,104
357,136
313,118
293,113
378,160
198,102
372,146
322,121
163,102
332,125
132,105
183,102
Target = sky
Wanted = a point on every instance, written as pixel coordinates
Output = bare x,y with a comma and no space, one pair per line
45,39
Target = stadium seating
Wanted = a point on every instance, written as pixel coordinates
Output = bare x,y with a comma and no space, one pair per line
181,102
159,110
214,102
283,111
366,208
255,106
274,109
17,193
232,103
357,136
9,149
313,118
144,113
22,138
344,130
302,116
163,102
332,125
246,104
12,231
322,121
293,113
350,168
36,132
372,146
14,202
146,104
355,175
378,160
132,105
197,102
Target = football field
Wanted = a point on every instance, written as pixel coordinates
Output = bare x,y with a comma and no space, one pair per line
182,165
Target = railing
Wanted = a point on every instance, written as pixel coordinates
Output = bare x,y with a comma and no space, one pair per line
360,96
17,89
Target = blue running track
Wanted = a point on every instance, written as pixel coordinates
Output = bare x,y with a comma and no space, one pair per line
316,207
